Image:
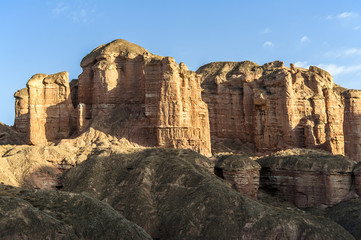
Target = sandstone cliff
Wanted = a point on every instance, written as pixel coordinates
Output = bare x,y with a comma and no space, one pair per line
151,100
273,107
44,109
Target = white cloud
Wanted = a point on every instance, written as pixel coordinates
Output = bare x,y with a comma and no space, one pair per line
342,15
303,64
343,53
357,28
305,39
337,70
353,51
345,15
268,44
78,11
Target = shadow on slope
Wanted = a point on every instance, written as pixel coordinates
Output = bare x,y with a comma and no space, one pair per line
173,194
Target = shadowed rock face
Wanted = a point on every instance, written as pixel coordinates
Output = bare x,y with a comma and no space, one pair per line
8,135
58,215
241,172
173,194
307,178
272,106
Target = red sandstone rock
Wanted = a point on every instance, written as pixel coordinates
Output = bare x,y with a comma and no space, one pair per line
352,124
273,107
44,109
159,100
307,178
241,172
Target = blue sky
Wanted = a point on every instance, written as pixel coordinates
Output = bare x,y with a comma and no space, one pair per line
54,35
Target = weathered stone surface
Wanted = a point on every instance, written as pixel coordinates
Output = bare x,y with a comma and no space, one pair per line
173,194
272,106
357,178
44,109
8,136
241,172
21,123
57,215
150,100
352,124
307,178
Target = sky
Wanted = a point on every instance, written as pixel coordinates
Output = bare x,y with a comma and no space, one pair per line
51,36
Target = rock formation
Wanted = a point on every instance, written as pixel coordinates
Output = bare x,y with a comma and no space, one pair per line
273,107
241,172
162,100
307,178
44,109
352,124
173,194
8,135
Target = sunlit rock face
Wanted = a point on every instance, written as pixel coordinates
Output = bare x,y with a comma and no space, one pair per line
163,99
272,106
44,109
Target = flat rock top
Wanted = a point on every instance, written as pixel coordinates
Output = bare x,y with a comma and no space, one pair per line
307,160
237,161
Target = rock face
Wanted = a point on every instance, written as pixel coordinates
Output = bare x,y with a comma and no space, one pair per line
307,178
173,194
273,107
56,215
44,109
241,172
9,136
352,124
161,99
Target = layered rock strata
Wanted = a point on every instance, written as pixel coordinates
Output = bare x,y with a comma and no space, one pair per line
352,124
307,178
273,107
44,109
241,172
161,98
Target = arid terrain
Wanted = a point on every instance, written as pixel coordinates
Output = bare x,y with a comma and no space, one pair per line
140,147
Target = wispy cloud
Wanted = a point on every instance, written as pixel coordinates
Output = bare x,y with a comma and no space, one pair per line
266,30
305,39
78,11
267,44
303,64
342,15
357,28
338,70
349,52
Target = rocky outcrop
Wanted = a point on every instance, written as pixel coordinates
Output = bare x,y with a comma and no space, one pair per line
9,136
352,124
307,178
44,109
273,107
173,194
151,100
241,172
58,215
